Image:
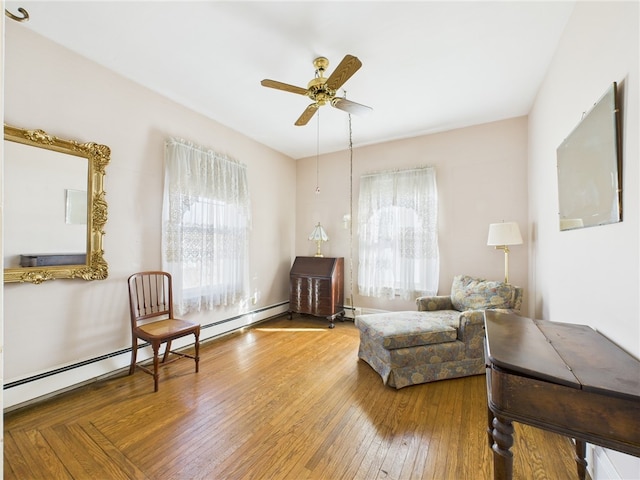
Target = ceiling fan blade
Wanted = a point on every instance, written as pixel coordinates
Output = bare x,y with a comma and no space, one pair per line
343,72
350,107
307,114
283,86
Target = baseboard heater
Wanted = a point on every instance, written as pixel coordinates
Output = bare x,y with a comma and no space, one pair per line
106,356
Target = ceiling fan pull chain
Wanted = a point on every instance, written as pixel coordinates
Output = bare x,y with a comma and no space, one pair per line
350,211
318,156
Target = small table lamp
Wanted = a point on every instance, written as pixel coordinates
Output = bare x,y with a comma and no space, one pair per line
501,235
318,235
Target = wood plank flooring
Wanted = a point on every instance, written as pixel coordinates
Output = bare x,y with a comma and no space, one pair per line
286,399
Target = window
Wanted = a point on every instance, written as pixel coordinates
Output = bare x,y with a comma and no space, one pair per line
398,234
206,222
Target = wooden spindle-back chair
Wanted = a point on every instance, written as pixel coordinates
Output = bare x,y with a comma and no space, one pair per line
152,320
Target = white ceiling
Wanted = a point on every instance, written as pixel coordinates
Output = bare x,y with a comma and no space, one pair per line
427,66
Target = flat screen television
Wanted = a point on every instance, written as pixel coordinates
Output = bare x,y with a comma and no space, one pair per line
590,167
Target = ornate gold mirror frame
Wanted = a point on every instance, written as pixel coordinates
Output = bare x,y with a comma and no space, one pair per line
98,157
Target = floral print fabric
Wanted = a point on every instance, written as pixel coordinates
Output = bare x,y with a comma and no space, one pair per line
468,293
440,340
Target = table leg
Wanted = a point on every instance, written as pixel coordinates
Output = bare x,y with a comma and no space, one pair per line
502,456
490,427
581,463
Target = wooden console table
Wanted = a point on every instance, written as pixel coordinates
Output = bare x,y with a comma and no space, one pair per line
560,377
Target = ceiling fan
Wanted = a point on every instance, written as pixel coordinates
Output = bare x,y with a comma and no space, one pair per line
322,90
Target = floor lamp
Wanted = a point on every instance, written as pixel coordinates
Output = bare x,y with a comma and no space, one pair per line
501,235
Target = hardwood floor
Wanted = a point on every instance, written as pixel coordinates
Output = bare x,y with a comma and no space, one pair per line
286,399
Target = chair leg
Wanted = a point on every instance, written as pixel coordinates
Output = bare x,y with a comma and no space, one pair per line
167,350
197,355
156,348
134,353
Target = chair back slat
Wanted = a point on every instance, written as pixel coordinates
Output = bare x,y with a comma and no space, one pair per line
150,295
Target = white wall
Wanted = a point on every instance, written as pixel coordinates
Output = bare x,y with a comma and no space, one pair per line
62,322
481,177
589,276
2,229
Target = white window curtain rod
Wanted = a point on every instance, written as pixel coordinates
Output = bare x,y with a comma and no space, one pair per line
208,151
396,170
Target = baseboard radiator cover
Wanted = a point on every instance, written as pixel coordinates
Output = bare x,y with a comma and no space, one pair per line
601,467
35,388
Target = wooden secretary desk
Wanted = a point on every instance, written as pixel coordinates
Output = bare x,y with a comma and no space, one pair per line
317,287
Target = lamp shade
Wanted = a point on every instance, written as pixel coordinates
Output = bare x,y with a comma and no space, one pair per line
506,233
318,234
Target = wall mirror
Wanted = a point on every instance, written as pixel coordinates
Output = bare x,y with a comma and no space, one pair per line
590,168
54,207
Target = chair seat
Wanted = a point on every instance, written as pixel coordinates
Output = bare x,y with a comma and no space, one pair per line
166,328
410,329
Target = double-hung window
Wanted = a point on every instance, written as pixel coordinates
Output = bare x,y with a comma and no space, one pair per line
206,222
398,234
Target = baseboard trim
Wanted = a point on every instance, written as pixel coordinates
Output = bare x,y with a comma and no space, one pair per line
599,464
35,388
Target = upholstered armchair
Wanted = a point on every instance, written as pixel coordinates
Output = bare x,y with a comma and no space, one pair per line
443,339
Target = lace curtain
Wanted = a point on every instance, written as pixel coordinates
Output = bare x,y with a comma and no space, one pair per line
398,234
205,227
